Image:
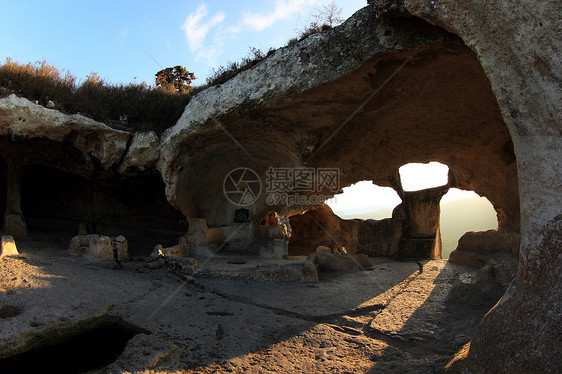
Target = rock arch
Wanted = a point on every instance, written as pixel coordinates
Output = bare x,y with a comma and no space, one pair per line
437,106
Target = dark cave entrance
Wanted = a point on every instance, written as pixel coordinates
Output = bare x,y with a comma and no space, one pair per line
74,352
57,201
54,200
3,190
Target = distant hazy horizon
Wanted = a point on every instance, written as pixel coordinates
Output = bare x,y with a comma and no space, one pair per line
457,217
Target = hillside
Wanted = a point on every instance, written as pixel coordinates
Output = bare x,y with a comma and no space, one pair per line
460,216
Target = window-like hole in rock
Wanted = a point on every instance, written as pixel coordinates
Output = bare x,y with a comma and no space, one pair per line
416,176
463,211
92,349
364,200
336,226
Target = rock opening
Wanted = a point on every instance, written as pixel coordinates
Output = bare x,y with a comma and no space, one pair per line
72,352
416,176
365,200
463,212
54,200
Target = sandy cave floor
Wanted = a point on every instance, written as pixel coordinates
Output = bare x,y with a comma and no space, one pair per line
391,318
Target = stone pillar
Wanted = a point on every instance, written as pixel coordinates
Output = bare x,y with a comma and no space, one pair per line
14,222
421,237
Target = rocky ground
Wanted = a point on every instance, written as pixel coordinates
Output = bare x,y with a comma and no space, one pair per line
394,317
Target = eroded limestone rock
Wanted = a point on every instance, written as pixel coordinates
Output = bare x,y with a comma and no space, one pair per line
246,238
8,247
298,98
144,352
322,228
21,119
15,225
486,104
267,98
475,247
143,152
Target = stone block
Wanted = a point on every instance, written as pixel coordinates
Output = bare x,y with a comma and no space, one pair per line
8,246
121,244
99,246
79,244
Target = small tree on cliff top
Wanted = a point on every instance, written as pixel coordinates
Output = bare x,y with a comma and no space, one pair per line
329,14
176,79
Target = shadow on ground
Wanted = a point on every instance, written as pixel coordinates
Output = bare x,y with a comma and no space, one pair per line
390,318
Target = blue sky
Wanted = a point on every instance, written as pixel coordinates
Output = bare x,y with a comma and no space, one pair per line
123,39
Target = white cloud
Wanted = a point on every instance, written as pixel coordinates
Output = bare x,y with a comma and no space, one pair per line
283,10
196,29
199,26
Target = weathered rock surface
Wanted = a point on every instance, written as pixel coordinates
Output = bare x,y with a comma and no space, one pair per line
412,232
8,247
338,263
21,120
143,152
321,227
59,170
144,352
182,266
299,272
474,248
419,213
14,224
